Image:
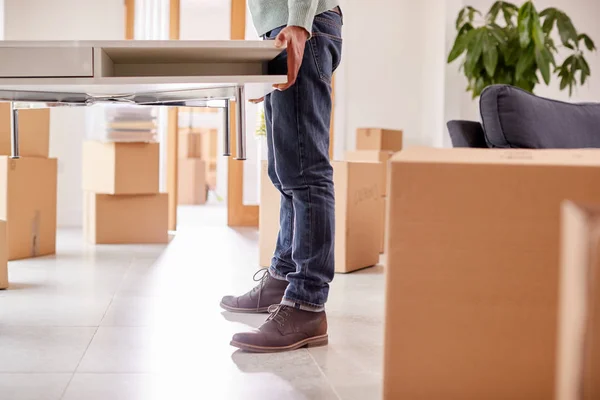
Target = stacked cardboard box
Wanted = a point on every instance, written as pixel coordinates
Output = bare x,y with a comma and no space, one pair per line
197,164
122,203
579,310
473,270
377,145
358,198
28,185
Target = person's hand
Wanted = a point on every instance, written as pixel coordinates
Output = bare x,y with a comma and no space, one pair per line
294,39
257,101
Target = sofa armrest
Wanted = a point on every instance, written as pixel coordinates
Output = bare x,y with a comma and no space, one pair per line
467,134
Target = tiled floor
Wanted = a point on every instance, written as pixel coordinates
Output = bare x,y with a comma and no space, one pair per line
143,323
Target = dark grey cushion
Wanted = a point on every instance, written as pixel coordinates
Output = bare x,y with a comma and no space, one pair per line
515,118
466,134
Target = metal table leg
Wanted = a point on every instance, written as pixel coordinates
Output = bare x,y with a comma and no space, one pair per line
14,126
241,122
226,130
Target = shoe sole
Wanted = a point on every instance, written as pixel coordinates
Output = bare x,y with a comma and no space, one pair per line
316,341
261,310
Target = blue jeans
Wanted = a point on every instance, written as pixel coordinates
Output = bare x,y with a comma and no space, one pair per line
298,122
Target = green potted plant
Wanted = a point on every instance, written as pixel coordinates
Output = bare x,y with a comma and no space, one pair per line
516,46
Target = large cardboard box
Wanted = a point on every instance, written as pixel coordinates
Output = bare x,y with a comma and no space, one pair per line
473,267
378,139
3,256
28,205
125,219
120,168
191,177
268,217
578,369
382,157
209,146
190,144
34,132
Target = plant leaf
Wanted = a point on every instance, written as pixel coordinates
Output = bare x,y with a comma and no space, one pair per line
460,45
472,13
566,30
549,17
474,51
492,15
584,77
525,62
542,58
585,67
539,37
524,24
589,43
461,16
490,54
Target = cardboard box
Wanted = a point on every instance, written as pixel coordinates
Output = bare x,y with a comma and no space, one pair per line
120,168
357,210
190,144
378,139
357,231
382,157
209,145
268,218
211,180
579,308
34,132
28,205
192,186
472,270
126,219
3,256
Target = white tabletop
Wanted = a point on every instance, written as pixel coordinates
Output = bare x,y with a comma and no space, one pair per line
123,68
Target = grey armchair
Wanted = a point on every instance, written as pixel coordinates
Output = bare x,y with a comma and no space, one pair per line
514,118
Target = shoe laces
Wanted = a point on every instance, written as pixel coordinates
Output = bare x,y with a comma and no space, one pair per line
279,313
262,279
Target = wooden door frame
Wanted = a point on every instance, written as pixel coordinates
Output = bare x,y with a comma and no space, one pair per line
238,214
173,125
129,19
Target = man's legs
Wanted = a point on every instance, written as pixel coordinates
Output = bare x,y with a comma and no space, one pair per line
298,121
281,264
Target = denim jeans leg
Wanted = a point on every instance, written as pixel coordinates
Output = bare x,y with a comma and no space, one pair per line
300,121
281,264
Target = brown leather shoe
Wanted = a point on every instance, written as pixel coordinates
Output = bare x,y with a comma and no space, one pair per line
286,329
268,292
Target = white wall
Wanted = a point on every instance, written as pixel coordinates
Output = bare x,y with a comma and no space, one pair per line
66,20
1,19
389,72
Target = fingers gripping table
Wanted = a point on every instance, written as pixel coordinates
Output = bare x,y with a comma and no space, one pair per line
142,73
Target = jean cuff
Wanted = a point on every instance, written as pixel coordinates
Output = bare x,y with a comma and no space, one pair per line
276,275
302,305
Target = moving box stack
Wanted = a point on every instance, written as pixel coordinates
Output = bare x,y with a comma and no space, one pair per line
27,189
359,236
377,145
122,203
474,275
197,163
